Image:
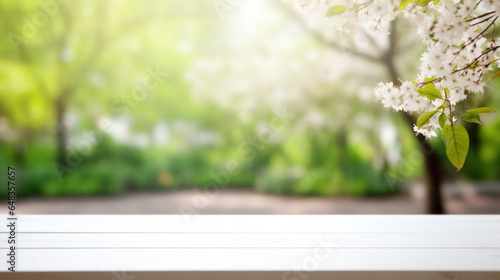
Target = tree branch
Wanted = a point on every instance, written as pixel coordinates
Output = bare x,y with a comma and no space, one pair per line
320,38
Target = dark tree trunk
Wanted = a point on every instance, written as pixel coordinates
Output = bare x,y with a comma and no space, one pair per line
434,198
475,140
432,162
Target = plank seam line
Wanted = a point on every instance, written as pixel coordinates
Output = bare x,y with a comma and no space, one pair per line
278,248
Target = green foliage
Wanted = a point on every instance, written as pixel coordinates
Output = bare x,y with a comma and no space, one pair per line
471,117
189,169
430,91
32,179
455,136
424,118
482,110
111,45
277,181
442,120
354,178
405,3
456,140
489,153
336,10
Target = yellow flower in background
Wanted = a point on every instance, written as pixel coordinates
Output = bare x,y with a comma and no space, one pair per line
165,179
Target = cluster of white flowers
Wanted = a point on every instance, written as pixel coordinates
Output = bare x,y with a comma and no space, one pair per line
457,57
375,14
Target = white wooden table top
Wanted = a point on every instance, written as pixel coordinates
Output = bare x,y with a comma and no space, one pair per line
256,243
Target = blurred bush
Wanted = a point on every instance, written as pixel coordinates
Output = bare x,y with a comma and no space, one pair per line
323,182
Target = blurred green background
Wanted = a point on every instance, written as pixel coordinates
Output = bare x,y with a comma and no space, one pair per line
105,97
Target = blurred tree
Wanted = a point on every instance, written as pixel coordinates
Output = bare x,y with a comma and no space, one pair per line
432,163
64,53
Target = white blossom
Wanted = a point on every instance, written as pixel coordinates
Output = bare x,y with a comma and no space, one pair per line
457,56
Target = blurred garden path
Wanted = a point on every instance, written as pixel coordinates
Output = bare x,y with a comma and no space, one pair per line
239,201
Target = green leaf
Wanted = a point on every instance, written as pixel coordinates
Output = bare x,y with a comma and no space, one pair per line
481,110
472,117
456,141
405,3
442,120
336,10
430,91
424,118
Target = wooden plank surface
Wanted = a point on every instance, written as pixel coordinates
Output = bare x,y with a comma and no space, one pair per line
251,240
261,223
258,259
256,243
